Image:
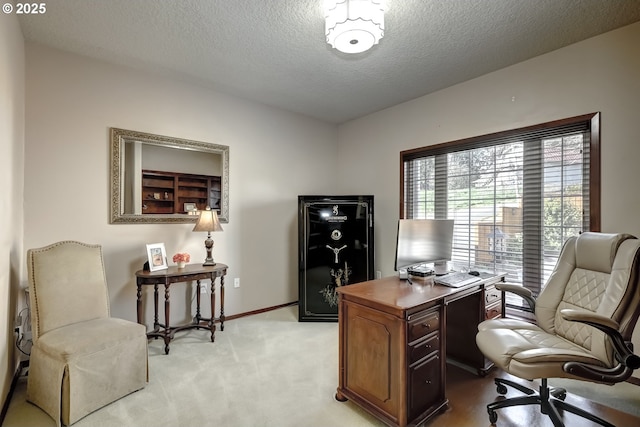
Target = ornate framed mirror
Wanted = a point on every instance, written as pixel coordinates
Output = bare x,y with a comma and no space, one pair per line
162,179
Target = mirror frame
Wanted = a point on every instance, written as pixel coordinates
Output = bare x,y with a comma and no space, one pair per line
118,139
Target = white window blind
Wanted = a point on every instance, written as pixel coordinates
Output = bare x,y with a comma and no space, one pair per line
515,196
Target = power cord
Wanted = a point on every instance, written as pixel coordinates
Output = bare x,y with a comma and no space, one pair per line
23,329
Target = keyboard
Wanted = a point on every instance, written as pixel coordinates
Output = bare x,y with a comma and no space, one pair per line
456,280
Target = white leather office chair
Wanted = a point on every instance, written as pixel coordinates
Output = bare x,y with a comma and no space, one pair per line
584,320
81,359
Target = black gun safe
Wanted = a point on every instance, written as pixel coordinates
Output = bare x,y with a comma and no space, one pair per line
335,248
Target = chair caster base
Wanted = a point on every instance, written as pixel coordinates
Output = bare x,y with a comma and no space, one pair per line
493,416
550,400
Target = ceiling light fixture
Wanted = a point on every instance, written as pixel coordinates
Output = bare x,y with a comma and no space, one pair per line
354,26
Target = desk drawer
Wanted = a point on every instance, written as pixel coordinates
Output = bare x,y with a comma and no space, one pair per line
424,348
491,294
425,386
493,311
424,325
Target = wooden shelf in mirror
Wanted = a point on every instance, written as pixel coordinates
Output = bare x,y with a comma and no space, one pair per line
171,192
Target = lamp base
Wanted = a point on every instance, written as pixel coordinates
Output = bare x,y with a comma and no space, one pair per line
208,261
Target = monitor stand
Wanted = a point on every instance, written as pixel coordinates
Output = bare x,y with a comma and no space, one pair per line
440,268
420,271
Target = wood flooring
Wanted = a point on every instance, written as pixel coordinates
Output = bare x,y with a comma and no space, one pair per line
469,394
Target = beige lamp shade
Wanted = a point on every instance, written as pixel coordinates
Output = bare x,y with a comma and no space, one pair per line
208,221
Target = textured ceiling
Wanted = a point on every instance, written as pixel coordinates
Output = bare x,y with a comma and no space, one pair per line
274,51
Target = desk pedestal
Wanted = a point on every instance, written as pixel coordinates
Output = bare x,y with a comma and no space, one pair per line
394,344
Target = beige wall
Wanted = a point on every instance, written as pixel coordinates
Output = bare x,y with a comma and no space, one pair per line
599,74
12,84
274,156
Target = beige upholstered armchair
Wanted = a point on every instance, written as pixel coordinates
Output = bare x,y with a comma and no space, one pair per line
82,359
584,320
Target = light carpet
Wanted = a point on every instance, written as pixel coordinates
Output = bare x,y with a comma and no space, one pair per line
263,370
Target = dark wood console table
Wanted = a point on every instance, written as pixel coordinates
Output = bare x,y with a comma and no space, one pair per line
395,339
174,274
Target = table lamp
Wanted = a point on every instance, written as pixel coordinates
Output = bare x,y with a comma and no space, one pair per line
208,221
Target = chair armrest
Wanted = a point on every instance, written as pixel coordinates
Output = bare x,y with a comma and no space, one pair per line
593,319
609,327
521,291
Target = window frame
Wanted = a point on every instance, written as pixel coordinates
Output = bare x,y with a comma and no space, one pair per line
591,122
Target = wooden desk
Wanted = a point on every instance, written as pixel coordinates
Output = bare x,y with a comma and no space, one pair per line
395,338
174,274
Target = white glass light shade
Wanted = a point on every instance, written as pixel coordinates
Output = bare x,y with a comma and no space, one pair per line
353,26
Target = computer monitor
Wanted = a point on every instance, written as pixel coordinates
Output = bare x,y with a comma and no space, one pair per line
424,241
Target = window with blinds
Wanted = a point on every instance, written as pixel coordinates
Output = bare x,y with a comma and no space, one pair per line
515,196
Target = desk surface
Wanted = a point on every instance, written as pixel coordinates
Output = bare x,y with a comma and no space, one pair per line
398,295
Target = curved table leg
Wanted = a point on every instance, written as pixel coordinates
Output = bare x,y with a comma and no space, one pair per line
167,308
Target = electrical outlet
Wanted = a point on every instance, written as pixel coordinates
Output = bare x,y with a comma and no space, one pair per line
236,282
378,274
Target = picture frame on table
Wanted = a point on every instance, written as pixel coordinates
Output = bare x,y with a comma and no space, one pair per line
190,207
157,255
